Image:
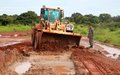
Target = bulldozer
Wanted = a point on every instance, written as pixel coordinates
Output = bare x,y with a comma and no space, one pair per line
51,29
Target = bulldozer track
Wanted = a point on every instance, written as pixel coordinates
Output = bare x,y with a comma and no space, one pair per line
99,68
96,66
92,67
105,70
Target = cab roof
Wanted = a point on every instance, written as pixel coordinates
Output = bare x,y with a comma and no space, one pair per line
52,8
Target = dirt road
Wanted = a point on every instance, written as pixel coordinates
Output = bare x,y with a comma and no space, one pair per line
19,59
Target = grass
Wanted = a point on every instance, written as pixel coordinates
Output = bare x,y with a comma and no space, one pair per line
82,29
101,34
107,36
12,27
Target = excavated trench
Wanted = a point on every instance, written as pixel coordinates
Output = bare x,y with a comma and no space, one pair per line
37,64
24,61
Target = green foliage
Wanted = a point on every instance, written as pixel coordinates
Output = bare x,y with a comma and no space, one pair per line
81,29
85,20
116,19
106,36
12,28
105,18
27,17
5,19
90,19
112,25
80,19
76,17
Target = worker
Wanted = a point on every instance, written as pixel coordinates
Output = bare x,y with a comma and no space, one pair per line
90,36
42,22
57,23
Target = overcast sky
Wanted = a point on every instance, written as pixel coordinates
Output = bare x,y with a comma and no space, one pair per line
94,7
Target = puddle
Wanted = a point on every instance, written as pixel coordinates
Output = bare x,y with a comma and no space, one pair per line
112,52
4,36
23,67
57,64
11,42
60,64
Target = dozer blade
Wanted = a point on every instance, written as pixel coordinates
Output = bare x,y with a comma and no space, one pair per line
55,38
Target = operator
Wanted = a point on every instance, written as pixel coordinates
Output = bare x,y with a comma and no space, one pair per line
57,23
90,35
42,22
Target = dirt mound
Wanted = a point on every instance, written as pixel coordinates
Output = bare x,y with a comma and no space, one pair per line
7,58
19,46
55,46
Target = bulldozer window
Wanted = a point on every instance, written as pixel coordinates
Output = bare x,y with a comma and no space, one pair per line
46,13
42,11
54,14
51,15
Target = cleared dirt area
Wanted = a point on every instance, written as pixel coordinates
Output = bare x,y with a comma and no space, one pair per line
19,58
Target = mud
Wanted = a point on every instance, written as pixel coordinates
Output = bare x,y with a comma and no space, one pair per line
95,63
53,59
59,64
111,52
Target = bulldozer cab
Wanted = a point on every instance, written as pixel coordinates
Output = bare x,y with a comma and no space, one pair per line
50,14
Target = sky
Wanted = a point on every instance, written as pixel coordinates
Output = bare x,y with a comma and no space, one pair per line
84,7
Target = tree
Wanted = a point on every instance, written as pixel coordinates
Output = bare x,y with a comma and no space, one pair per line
105,18
68,18
92,19
77,18
27,18
5,19
116,19
85,20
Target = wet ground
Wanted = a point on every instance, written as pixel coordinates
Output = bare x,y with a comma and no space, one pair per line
58,64
108,51
18,58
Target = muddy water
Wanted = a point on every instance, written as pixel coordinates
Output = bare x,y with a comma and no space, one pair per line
10,42
22,67
112,52
59,64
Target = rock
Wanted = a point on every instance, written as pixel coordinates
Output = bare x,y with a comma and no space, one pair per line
118,57
114,54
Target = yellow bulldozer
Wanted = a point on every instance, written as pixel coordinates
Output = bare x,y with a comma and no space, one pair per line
51,29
